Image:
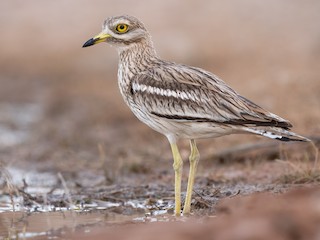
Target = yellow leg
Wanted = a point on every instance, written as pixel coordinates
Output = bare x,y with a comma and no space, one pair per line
194,159
177,166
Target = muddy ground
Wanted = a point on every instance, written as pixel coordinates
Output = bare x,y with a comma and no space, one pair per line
76,164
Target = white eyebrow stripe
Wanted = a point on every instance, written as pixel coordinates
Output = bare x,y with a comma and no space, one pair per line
165,92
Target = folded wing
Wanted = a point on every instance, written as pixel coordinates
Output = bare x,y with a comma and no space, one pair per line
182,93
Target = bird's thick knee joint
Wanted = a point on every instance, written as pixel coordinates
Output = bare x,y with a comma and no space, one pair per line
177,165
194,157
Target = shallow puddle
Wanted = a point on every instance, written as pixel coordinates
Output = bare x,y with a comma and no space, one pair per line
55,222
55,225
46,208
17,225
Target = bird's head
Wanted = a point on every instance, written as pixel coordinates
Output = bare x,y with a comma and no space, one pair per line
120,31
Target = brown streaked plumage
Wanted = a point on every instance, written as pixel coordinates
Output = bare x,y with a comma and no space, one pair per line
180,101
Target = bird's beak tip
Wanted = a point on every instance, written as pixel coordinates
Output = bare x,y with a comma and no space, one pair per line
102,37
89,43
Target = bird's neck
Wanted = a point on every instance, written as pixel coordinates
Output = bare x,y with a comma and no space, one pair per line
137,56
134,59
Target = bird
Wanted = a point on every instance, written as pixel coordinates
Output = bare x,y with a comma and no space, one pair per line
181,101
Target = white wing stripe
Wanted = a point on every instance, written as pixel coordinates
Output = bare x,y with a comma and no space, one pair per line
164,92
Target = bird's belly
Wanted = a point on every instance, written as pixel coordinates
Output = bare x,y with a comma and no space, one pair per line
194,130
181,129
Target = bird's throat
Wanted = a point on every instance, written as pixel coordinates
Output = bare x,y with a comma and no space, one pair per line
137,55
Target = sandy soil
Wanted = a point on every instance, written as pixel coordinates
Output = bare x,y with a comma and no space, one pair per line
65,130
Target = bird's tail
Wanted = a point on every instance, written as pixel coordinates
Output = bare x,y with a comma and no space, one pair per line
277,133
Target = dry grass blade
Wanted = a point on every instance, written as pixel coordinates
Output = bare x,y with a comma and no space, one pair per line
304,171
11,189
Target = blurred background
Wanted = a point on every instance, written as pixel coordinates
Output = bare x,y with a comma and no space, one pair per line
60,106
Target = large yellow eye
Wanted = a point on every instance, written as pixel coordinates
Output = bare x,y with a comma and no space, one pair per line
122,28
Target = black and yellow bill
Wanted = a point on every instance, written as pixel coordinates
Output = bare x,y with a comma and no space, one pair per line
97,39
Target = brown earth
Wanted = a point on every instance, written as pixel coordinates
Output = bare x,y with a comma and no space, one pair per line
61,112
